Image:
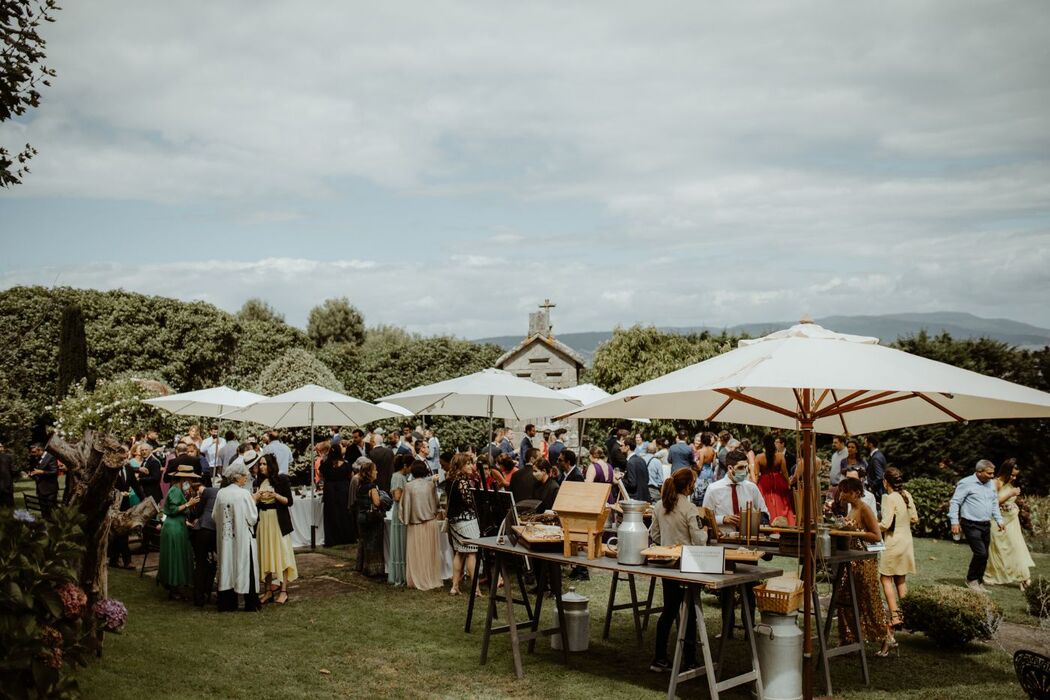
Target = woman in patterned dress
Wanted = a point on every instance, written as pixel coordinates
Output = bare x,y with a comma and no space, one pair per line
873,620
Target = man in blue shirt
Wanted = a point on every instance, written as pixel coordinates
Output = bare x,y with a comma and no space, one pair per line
681,452
974,505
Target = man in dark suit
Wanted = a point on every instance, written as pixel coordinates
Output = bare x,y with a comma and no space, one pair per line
876,467
357,448
681,452
45,473
637,478
614,451
150,473
8,474
526,445
383,457
557,446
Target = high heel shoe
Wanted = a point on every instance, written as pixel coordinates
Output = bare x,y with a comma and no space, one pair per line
896,620
887,646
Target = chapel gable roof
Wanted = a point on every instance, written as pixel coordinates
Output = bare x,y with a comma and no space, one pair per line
556,346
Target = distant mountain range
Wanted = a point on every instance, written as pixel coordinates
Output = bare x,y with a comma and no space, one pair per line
887,328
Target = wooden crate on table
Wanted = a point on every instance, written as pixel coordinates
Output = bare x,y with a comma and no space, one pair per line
583,509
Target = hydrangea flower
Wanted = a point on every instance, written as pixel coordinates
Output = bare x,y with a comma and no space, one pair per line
112,614
73,600
23,515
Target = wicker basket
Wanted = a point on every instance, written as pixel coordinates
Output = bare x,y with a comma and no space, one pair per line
777,601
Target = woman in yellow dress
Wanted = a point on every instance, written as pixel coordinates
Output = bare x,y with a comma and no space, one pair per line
276,556
1008,557
898,560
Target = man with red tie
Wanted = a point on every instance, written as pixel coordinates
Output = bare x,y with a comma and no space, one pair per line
726,498
731,494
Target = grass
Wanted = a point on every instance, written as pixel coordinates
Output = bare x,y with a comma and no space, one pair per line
377,641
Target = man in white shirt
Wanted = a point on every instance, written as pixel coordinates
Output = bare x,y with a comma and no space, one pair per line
278,449
838,444
211,446
728,496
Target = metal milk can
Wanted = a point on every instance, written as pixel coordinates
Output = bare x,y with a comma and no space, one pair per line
577,622
779,642
632,536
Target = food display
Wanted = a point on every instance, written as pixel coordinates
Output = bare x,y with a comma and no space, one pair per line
663,554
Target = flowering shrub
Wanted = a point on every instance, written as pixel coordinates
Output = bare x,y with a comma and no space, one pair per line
111,614
43,635
114,407
950,615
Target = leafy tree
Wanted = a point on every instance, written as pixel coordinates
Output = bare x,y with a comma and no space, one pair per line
255,309
293,369
335,321
22,71
72,349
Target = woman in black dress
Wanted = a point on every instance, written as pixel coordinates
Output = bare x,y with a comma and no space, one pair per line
370,524
335,498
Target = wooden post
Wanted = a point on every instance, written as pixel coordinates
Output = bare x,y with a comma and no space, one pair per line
808,574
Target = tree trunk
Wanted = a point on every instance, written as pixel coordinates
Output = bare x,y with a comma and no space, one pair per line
94,463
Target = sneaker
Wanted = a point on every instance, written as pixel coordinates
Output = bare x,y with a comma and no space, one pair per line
975,586
660,666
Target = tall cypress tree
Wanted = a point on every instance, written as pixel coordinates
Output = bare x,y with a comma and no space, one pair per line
72,349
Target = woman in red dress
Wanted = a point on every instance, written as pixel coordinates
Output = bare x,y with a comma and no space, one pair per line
773,481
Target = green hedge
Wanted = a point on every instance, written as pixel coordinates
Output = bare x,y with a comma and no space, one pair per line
950,615
931,500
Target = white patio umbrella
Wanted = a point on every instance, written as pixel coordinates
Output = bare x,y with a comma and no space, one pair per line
815,380
208,403
588,394
401,410
492,393
310,405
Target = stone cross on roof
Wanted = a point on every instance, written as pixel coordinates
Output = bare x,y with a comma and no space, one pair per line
540,321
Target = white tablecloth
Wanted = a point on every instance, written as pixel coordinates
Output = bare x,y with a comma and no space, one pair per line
307,511
446,547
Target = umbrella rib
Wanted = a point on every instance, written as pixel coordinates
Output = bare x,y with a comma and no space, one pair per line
872,404
846,406
721,408
290,407
352,421
828,410
512,409
434,403
739,396
820,400
930,401
842,416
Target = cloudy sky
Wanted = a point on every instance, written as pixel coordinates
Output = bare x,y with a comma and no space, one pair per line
449,165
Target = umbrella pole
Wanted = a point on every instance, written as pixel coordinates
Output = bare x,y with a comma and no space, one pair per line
313,446
492,458
808,577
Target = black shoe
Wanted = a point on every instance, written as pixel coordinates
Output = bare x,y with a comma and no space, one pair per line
660,666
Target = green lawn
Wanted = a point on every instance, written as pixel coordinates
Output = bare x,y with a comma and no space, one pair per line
374,640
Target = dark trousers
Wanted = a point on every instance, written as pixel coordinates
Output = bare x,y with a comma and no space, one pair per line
48,502
7,499
978,535
203,542
119,549
673,594
228,598
725,596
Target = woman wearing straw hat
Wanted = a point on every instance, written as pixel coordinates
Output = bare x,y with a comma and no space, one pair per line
176,554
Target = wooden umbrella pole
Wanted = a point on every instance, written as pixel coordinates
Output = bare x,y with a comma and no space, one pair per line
808,577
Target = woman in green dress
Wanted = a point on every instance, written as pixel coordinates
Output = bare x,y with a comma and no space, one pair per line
176,554
395,566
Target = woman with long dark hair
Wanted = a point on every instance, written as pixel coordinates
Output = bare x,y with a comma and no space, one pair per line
1009,561
276,556
873,620
336,497
676,521
370,518
773,481
898,515
462,517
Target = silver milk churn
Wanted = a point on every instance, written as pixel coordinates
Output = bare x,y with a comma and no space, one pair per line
577,622
779,642
632,536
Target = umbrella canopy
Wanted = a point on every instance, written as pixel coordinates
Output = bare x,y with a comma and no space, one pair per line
490,393
311,405
588,394
210,403
400,410
858,386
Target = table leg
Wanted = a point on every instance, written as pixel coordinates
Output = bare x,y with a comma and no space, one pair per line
649,602
609,605
541,576
521,589
562,630
474,584
488,621
822,641
634,609
679,647
515,647
857,626
728,603
834,599
750,627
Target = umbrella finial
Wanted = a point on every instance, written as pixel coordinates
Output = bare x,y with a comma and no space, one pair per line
806,319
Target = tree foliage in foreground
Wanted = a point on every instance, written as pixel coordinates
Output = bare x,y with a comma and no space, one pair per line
22,73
